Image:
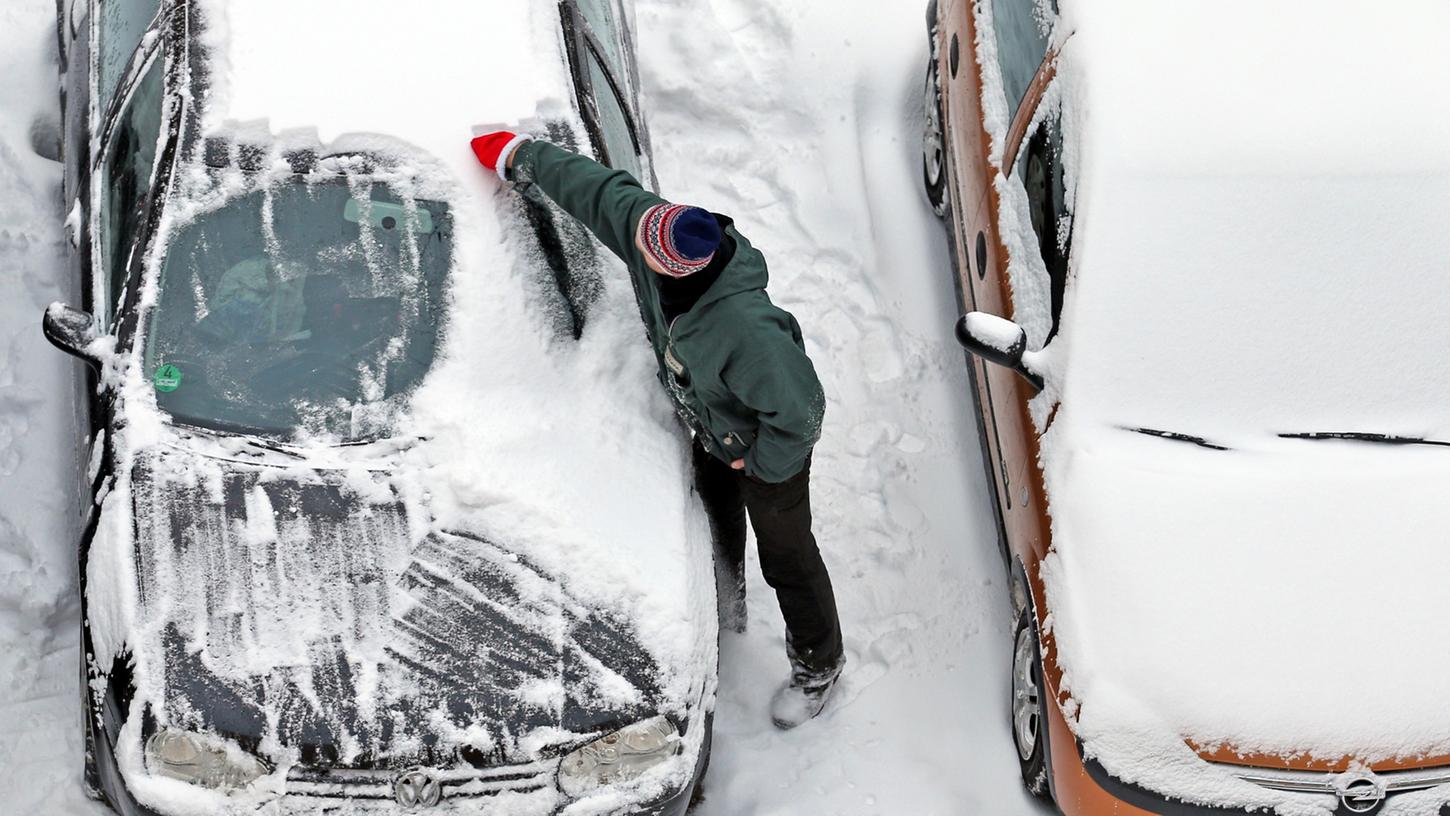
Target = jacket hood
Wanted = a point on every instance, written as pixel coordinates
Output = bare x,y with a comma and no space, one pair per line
297,608
746,272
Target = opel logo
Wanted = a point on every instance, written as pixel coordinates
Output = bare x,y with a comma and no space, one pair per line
417,789
1361,793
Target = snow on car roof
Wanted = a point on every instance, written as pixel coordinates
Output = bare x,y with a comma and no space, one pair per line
1258,249
368,66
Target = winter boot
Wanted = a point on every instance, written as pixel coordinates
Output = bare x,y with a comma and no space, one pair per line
806,694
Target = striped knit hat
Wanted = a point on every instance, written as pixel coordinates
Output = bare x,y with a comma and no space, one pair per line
682,240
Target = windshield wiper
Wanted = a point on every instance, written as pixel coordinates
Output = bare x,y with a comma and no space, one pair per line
256,442
1178,437
1364,436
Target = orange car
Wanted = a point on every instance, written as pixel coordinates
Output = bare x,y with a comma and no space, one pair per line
994,140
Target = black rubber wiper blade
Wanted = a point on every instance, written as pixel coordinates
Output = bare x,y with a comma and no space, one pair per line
1364,436
256,442
1178,437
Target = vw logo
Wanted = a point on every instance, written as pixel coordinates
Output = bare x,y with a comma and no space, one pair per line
1361,793
417,789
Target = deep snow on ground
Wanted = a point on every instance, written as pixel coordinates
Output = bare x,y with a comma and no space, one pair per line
801,121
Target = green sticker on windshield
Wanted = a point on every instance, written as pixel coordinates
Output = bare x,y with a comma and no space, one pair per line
167,379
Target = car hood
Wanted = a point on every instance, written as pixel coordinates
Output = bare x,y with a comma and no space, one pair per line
309,609
1286,599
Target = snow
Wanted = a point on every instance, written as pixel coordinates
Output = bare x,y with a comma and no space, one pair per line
998,333
918,723
1260,251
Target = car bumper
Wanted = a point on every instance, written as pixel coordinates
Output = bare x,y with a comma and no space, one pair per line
1076,791
1082,787
292,805
675,805
526,790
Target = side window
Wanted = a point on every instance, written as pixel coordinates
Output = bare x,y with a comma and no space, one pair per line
1040,170
614,121
123,23
1022,30
126,175
601,17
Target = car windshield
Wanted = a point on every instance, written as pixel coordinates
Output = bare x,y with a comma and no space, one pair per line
308,306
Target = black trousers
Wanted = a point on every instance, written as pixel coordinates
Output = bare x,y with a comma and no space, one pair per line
789,558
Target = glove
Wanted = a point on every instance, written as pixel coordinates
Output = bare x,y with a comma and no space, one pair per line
493,150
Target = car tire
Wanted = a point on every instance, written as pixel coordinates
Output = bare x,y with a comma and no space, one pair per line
1027,710
933,145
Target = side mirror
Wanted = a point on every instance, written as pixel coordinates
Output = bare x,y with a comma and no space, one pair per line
72,331
997,340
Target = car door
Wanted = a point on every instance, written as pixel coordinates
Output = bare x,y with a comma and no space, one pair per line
606,82
124,179
1031,165
119,190
120,28
989,108
980,103
76,155
602,68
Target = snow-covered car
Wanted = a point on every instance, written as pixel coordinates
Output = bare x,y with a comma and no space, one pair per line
1200,249
383,509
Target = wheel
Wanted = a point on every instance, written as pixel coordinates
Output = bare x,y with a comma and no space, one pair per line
1029,719
933,146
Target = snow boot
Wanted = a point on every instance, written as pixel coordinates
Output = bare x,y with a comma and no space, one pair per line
801,699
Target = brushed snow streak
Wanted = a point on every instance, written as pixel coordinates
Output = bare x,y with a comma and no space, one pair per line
283,608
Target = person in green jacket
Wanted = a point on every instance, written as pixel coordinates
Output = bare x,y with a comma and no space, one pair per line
736,368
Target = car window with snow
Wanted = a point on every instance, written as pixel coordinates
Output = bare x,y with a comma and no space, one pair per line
301,307
602,20
123,23
126,181
1040,171
1022,29
613,121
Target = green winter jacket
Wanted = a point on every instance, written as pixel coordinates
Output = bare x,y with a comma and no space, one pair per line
734,363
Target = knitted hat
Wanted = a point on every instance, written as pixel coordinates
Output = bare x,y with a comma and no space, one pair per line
682,240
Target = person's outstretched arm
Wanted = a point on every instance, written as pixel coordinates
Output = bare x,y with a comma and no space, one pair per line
608,202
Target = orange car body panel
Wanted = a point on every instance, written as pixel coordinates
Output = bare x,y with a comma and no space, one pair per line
1228,756
1075,791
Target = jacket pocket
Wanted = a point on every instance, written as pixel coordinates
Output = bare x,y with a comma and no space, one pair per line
738,442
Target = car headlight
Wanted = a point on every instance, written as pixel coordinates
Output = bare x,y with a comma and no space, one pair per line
200,760
619,757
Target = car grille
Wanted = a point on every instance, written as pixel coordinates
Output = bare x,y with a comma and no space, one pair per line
1358,791
458,783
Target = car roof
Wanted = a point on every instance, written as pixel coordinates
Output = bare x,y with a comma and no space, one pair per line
368,66
1255,239
1238,87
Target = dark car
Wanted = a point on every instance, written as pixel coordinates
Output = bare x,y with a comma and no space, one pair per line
333,558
